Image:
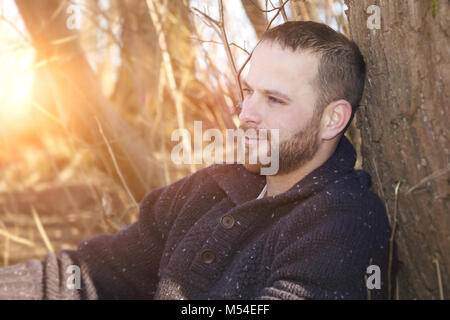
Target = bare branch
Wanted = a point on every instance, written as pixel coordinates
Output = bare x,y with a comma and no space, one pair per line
280,8
248,58
19,32
267,10
219,27
217,42
283,12
207,17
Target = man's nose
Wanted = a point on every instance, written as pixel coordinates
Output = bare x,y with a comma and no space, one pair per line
250,111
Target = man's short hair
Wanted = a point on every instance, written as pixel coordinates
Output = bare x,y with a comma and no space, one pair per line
341,71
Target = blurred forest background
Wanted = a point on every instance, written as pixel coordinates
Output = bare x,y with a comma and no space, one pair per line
91,91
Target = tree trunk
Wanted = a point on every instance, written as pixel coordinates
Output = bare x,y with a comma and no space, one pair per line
305,10
79,97
138,76
403,122
256,16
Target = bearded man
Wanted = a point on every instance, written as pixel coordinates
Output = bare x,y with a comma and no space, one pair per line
313,230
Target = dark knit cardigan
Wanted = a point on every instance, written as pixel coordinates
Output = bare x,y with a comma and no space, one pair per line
314,241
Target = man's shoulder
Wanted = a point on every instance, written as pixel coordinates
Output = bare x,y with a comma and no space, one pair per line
353,190
345,204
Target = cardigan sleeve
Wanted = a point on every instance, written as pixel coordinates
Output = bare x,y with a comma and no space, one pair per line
330,260
119,266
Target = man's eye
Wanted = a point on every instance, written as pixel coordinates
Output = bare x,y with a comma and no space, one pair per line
247,91
274,100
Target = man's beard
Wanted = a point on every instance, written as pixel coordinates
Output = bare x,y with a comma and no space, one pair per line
293,152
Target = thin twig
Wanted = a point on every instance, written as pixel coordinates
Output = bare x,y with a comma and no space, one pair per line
221,43
262,10
21,34
5,233
438,271
391,240
283,12
41,229
17,239
380,190
6,252
434,175
248,58
176,92
367,289
90,15
116,165
397,290
369,297
280,8
219,27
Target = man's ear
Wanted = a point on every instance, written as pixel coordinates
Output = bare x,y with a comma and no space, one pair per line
335,118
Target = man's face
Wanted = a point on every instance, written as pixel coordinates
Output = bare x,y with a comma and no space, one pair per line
280,94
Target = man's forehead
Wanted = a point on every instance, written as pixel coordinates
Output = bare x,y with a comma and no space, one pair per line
270,63
266,51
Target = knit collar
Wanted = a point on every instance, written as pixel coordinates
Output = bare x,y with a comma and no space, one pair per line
242,185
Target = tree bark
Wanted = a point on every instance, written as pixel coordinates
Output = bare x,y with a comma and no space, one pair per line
403,122
78,95
256,16
138,77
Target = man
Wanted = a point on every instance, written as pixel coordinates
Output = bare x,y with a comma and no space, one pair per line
226,232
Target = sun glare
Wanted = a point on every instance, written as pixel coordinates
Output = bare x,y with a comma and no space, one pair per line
16,79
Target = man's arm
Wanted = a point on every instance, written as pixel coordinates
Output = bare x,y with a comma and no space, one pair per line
120,266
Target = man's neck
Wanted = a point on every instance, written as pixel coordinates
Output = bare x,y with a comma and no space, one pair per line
277,184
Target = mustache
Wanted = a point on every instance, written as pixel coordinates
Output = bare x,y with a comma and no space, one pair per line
246,127
259,132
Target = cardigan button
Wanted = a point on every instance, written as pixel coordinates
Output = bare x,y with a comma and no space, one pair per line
208,256
227,221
